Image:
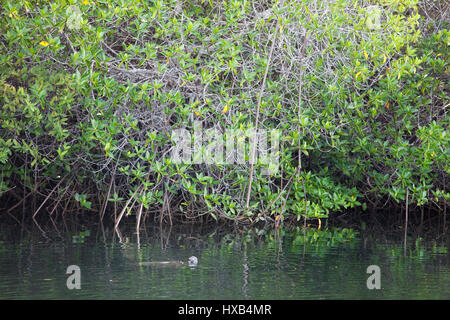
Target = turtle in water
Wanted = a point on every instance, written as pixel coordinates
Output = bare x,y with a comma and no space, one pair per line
192,262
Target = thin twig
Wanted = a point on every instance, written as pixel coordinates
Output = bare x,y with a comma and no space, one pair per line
48,197
299,167
406,219
125,208
261,91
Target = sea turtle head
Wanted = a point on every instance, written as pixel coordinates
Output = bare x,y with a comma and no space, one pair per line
193,261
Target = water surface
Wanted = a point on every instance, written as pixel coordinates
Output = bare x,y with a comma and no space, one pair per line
258,264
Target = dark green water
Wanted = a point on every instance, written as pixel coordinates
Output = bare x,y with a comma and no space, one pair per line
330,264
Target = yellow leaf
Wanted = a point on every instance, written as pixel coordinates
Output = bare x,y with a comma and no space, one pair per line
384,58
44,43
197,113
356,76
365,54
86,2
387,104
225,109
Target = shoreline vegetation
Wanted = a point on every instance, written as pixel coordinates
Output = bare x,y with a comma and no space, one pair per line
92,92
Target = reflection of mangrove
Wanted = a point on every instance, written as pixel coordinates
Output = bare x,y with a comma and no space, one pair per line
224,251
249,262
338,272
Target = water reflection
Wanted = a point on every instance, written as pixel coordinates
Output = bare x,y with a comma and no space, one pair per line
254,264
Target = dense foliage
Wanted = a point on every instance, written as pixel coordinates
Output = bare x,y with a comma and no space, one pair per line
91,92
